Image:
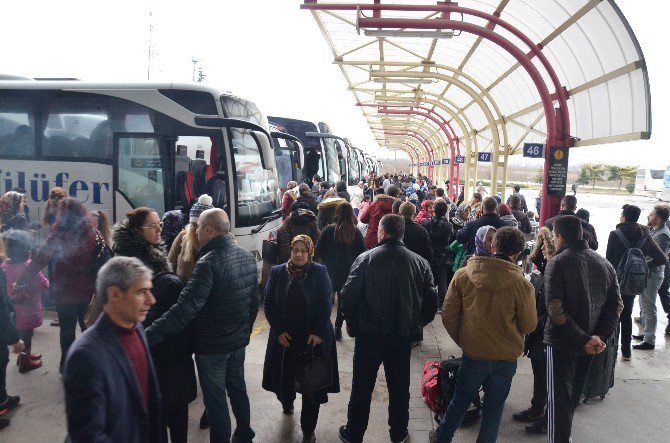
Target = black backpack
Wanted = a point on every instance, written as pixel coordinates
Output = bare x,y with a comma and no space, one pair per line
448,376
632,270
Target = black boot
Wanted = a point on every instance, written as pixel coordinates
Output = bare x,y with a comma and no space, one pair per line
288,408
204,420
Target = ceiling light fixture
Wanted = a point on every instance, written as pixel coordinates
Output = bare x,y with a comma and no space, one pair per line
414,81
409,34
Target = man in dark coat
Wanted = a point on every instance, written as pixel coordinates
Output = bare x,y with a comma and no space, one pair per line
440,231
305,199
639,236
416,237
388,298
583,307
467,234
568,207
220,302
111,388
519,214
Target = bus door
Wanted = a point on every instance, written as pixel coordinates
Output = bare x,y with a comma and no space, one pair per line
143,165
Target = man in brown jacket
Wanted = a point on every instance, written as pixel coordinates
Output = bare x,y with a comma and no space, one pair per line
489,308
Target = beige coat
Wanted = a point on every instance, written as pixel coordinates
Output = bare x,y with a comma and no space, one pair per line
489,308
182,255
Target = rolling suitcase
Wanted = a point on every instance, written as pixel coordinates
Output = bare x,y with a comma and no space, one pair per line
600,377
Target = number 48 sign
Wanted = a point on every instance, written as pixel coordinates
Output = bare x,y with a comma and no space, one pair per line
533,150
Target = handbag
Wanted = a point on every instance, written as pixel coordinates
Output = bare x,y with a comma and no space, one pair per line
314,374
101,252
270,252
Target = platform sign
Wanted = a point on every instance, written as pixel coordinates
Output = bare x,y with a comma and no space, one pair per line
459,159
533,150
445,161
557,173
484,157
435,163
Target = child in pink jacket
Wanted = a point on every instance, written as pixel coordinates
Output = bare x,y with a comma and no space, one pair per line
27,300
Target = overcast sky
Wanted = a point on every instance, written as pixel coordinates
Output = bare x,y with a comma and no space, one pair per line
268,51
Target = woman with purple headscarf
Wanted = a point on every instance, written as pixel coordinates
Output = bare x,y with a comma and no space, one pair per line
483,243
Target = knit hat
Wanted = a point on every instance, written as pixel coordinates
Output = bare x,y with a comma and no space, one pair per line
204,203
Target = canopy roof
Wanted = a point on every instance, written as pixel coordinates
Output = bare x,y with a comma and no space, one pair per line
477,88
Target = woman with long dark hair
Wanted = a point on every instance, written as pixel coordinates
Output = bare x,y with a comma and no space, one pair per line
338,246
139,235
297,305
70,246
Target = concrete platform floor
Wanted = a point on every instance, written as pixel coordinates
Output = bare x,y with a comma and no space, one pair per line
635,410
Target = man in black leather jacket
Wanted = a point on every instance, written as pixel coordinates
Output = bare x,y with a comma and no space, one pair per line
387,299
466,235
220,303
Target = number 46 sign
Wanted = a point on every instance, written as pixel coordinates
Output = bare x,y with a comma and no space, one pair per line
533,150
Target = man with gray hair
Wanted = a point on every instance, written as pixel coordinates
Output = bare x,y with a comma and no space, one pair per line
220,304
387,300
111,389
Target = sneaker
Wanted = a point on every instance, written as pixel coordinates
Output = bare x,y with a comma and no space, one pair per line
4,422
537,428
644,346
10,402
638,337
529,415
625,354
344,434
432,437
55,323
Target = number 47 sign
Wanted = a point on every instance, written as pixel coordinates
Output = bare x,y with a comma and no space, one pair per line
533,150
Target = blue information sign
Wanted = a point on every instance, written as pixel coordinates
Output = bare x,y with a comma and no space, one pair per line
445,161
460,159
484,157
533,150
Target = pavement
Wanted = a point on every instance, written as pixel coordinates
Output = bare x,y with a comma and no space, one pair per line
636,408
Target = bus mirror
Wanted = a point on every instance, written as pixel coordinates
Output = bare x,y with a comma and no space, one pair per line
294,143
265,148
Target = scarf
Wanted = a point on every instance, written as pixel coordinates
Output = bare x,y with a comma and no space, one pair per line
480,241
298,273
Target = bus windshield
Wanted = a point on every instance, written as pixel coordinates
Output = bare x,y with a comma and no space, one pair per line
256,188
332,161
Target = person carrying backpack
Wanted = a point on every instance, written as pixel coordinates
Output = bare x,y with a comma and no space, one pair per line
630,278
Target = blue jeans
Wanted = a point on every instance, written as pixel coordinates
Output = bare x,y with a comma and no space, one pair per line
496,378
221,374
648,303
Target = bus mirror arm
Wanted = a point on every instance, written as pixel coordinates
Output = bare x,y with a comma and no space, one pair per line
274,215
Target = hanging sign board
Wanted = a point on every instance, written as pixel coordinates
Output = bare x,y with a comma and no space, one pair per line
459,159
557,173
533,150
445,161
484,157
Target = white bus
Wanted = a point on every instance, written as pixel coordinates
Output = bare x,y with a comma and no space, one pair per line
119,146
649,182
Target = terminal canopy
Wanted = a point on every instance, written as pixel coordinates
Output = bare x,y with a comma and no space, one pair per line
460,62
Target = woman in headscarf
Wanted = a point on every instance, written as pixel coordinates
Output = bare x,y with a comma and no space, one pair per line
426,211
298,302
506,215
185,246
535,347
12,211
483,243
461,217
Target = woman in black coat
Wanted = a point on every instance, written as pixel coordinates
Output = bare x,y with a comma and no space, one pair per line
297,305
338,246
140,236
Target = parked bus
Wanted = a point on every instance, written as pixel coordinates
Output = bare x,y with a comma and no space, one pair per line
119,146
649,182
289,157
665,193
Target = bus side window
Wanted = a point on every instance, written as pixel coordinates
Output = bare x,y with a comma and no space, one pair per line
16,132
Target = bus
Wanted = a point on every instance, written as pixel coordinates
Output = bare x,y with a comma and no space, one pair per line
649,182
289,157
118,146
665,193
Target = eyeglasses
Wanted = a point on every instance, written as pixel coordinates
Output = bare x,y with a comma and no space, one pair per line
154,226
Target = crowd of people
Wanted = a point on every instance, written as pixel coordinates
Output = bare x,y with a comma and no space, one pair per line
177,289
